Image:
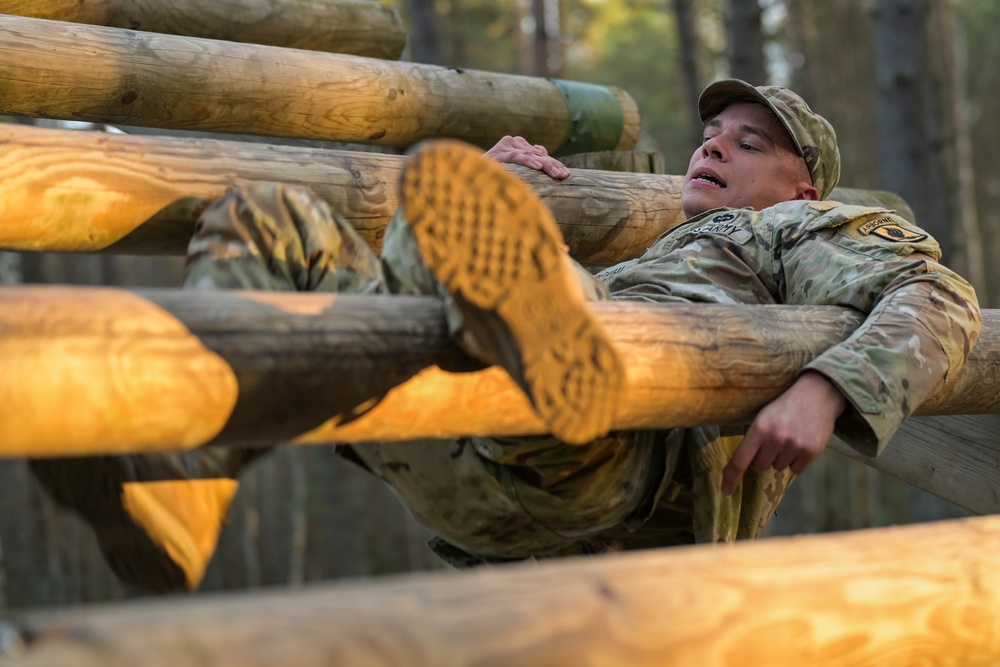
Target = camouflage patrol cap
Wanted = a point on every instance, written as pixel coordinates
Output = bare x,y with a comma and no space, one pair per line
813,136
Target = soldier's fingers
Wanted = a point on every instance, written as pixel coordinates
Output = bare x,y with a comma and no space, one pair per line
555,169
785,458
738,465
803,461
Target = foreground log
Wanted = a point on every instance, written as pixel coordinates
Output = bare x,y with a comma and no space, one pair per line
360,27
87,191
90,371
110,75
915,595
165,368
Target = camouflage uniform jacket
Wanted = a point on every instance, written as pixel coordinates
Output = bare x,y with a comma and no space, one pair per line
922,318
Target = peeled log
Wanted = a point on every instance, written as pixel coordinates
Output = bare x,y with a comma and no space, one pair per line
110,75
955,457
360,27
104,369
87,191
915,595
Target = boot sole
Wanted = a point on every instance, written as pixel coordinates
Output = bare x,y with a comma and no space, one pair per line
494,245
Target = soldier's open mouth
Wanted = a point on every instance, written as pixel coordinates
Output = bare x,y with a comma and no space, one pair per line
709,178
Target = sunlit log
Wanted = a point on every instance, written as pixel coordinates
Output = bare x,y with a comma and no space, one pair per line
111,75
69,191
915,595
360,27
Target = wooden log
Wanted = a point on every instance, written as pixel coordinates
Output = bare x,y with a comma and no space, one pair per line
915,595
87,191
360,27
955,457
642,162
90,370
110,75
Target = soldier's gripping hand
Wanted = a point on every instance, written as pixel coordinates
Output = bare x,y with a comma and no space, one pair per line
790,432
517,150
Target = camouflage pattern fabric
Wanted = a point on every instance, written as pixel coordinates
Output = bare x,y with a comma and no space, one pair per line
497,499
922,322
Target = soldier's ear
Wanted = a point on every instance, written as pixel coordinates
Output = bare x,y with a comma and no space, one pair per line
807,191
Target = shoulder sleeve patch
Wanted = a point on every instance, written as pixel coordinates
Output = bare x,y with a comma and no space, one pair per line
890,231
893,232
823,206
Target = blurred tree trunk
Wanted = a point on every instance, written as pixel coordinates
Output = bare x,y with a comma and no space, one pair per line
425,32
3,577
53,577
746,42
910,141
251,530
540,43
951,75
10,268
690,62
299,520
539,37
831,50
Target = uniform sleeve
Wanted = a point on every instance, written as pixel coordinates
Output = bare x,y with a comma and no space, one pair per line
922,318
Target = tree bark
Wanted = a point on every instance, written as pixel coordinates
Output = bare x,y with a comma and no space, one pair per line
425,35
746,42
908,129
116,76
966,234
690,63
360,27
924,594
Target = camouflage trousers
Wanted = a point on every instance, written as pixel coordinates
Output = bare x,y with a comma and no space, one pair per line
489,499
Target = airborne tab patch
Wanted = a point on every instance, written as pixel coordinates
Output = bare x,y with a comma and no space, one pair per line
887,227
894,232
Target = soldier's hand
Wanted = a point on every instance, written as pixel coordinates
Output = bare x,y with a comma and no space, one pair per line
790,432
517,150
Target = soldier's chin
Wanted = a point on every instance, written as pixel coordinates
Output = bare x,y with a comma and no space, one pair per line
697,202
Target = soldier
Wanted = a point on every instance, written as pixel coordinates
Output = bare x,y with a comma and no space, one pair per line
759,232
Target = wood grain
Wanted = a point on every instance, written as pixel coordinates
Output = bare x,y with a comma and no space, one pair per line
87,191
359,27
53,69
290,353
102,370
915,595
956,457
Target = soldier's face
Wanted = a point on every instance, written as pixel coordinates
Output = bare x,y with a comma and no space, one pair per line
746,159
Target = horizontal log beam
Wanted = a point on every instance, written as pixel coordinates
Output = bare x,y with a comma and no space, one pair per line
924,594
360,27
69,191
108,370
955,457
110,75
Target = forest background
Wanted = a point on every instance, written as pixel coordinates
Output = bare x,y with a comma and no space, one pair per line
909,85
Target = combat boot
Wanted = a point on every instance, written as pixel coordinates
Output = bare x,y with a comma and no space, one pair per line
493,244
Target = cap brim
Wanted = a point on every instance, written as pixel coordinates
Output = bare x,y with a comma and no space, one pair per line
720,94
